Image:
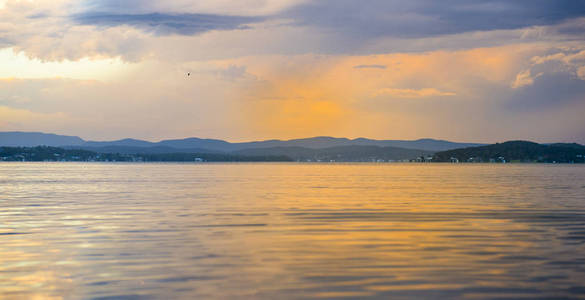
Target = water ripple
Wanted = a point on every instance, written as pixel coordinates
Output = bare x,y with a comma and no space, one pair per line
291,231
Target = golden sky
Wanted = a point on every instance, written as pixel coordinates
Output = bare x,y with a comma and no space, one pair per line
477,71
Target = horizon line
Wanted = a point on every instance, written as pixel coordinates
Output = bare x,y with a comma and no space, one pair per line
284,139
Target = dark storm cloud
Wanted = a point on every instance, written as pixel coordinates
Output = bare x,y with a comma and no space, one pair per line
164,23
424,18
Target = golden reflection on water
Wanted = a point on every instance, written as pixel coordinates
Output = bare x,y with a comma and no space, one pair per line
291,231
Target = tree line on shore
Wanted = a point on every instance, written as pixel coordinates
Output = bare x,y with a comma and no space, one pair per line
516,151
45,153
513,151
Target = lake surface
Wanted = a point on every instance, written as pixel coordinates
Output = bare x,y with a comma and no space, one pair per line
291,231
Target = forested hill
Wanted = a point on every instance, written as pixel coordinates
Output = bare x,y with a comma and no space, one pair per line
516,151
45,153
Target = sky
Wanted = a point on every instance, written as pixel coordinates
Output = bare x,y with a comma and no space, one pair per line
462,70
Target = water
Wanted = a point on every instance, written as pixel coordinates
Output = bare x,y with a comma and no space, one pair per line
291,231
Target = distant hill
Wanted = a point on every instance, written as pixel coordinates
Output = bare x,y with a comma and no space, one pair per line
36,139
142,150
513,151
312,143
28,139
340,153
328,142
123,143
516,151
189,143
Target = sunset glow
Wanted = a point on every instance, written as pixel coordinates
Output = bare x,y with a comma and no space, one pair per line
277,72
292,149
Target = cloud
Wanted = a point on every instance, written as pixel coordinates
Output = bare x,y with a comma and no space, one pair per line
234,72
424,18
52,36
265,68
569,57
163,24
216,7
225,71
549,91
195,30
411,93
568,61
581,72
574,27
17,65
304,95
524,78
369,67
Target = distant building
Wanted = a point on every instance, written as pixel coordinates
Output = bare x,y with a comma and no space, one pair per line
474,160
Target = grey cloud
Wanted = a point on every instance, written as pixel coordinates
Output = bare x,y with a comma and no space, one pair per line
116,6
40,15
548,91
575,27
4,42
363,19
355,27
555,80
369,67
163,24
425,18
234,72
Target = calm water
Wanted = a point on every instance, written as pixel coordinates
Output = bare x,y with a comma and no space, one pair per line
290,231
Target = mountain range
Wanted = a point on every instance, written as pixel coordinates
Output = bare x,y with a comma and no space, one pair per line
307,149
30,139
